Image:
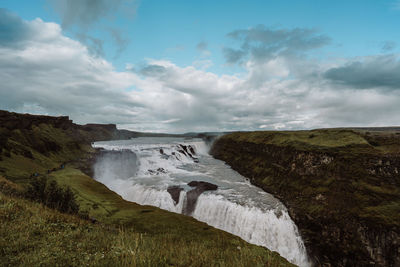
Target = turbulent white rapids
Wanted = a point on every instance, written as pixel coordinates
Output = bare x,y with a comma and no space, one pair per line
236,207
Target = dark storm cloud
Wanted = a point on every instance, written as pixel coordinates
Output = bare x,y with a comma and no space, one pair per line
372,72
262,43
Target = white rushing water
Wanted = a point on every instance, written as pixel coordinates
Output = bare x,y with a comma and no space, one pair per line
236,206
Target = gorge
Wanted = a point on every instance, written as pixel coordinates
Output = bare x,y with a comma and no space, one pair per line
143,169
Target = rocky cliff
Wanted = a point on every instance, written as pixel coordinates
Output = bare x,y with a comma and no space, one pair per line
342,188
92,132
11,120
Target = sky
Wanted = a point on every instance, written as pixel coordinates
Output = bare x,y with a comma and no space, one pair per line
185,66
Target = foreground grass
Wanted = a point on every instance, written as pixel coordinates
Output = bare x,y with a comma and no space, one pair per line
34,235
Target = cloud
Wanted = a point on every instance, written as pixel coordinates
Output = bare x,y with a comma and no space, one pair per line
263,43
233,56
49,73
83,16
388,46
368,72
153,70
121,41
86,13
13,29
202,47
202,64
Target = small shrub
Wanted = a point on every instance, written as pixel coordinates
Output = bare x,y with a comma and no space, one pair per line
69,203
36,189
52,195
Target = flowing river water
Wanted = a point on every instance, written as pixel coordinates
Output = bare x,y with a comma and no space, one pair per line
236,206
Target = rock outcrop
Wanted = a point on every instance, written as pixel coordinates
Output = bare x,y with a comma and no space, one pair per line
175,192
190,201
191,196
204,186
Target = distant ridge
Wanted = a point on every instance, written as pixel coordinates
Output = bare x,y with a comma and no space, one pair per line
96,131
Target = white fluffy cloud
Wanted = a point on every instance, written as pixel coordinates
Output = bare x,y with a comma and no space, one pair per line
45,72
48,72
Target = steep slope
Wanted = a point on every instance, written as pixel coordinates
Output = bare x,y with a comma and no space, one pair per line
125,233
342,188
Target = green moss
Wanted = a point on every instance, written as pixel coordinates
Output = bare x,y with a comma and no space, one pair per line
387,212
385,190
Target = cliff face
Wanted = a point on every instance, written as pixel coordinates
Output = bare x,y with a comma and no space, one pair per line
35,143
11,120
342,192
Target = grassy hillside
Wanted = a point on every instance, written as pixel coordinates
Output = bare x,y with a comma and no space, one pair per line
342,187
125,234
302,139
34,235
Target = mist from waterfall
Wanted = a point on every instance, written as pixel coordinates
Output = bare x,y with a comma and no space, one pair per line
146,167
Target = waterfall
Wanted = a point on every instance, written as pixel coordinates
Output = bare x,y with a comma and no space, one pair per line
275,231
236,207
